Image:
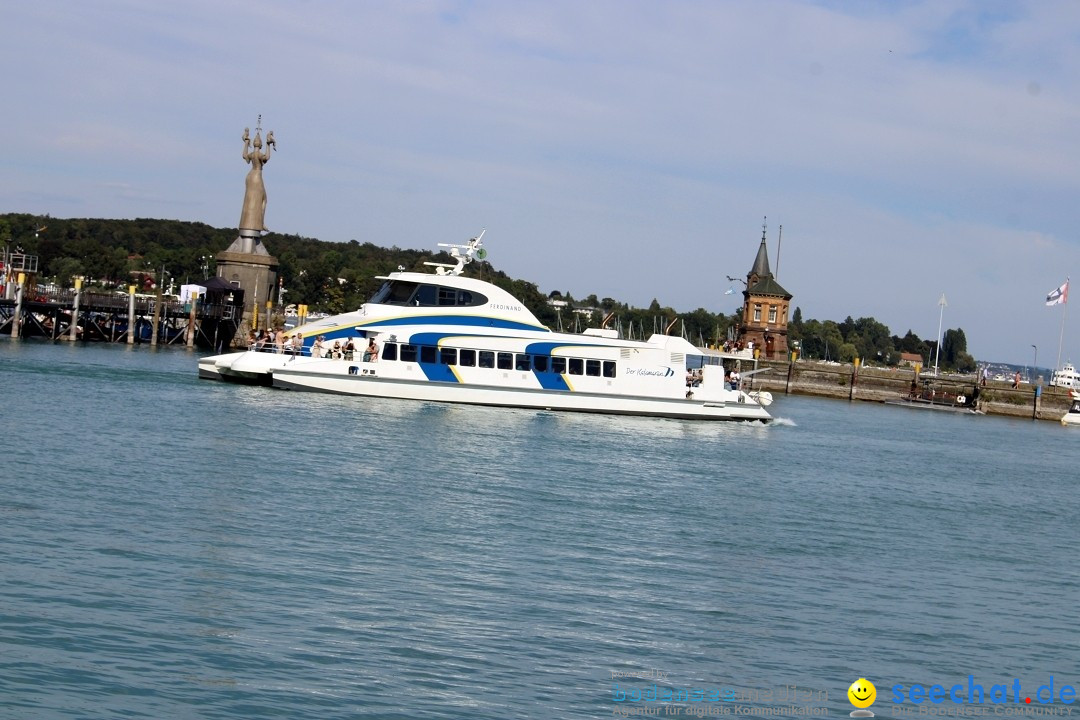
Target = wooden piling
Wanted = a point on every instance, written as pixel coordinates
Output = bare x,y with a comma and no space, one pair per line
73,331
854,379
16,320
191,321
131,315
790,372
157,314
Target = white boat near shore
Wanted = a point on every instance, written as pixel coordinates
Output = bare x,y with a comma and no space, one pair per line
448,338
1066,377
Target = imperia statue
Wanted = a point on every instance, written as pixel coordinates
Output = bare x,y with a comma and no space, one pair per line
253,216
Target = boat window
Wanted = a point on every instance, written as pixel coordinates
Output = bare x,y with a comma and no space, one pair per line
408,353
447,296
521,362
468,358
592,367
448,356
426,296
487,359
471,299
540,363
427,353
577,365
558,365
389,351
394,292
382,293
506,361
609,368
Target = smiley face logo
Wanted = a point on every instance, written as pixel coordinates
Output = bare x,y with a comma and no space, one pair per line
862,693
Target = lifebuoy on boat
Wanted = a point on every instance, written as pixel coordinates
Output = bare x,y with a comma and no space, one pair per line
960,399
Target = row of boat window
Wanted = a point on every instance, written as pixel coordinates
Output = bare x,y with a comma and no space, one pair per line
498,360
401,292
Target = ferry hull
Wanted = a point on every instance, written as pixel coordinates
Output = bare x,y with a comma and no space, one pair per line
245,368
307,379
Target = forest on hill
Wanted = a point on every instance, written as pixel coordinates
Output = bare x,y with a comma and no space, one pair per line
334,277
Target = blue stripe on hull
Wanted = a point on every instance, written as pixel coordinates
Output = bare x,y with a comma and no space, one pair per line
437,372
551,381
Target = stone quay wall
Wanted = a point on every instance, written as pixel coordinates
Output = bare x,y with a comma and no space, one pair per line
807,377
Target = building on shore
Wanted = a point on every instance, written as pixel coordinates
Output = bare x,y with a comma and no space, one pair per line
766,305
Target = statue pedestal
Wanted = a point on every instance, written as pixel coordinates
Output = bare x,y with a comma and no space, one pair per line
255,273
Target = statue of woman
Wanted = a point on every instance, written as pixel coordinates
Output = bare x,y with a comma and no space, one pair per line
254,213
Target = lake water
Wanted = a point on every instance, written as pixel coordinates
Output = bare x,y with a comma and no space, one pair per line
177,548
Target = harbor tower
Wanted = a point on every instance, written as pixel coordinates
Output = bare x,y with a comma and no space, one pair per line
765,308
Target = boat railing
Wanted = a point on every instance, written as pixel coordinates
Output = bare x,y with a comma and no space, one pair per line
306,352
272,349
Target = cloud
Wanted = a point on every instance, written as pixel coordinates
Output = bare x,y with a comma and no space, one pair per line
624,148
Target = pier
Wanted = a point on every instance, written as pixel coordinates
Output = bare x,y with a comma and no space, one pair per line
101,316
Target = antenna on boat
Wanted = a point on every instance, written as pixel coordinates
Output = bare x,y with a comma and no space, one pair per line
472,248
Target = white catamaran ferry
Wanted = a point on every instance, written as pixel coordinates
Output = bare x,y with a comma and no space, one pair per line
448,338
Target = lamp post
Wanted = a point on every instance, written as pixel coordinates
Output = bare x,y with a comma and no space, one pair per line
941,316
1035,363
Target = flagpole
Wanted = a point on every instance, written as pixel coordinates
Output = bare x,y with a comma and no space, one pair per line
1061,336
941,316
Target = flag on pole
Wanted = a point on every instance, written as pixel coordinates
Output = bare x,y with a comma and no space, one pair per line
1060,296
730,290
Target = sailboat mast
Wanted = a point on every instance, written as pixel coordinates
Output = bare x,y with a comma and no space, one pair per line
779,238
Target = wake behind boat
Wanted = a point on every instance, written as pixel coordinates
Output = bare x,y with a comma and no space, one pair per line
448,338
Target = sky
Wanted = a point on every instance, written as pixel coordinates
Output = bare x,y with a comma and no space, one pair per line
630,149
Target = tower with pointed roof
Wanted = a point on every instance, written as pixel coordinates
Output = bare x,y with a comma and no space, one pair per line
765,308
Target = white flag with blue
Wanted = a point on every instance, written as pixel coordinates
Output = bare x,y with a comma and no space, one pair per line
1059,296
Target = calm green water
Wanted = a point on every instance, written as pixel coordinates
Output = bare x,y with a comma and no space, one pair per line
179,548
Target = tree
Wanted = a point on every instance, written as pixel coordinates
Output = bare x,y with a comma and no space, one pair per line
64,269
952,345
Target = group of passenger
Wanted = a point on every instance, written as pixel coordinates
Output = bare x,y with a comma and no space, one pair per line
274,341
694,378
338,351
278,341
732,346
